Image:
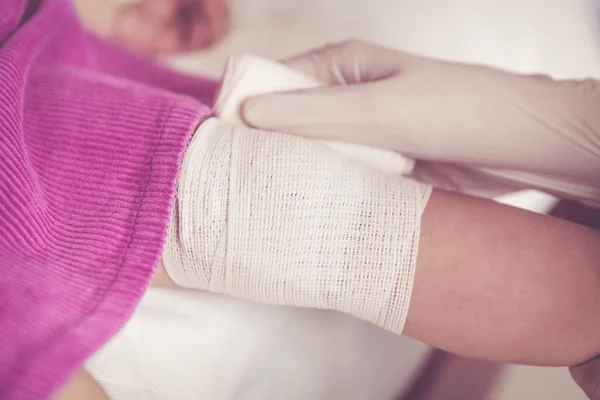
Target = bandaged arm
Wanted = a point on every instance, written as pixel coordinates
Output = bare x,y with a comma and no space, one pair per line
285,220
489,281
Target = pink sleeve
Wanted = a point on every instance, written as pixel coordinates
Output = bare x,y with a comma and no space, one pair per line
88,169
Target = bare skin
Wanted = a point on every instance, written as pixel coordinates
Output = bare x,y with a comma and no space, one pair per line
81,386
503,284
161,277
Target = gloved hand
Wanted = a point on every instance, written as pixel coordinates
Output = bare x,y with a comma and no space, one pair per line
522,130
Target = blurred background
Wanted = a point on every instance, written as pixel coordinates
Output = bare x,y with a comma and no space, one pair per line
559,37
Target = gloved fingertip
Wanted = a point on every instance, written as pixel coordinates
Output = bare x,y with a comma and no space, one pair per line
260,111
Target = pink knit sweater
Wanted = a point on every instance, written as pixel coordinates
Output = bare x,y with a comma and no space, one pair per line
91,140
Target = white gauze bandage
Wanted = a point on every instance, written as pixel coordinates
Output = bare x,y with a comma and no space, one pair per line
286,220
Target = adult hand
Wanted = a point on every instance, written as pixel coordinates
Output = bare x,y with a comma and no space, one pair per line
440,111
158,26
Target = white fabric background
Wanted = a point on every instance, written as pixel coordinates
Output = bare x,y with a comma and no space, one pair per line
186,345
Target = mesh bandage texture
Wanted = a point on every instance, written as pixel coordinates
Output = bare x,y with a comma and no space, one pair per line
286,220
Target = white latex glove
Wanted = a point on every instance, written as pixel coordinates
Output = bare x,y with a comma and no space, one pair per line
511,130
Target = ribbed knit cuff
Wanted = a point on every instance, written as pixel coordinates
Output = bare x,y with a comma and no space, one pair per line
96,171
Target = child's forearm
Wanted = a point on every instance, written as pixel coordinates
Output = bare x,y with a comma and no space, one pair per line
504,284
279,219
